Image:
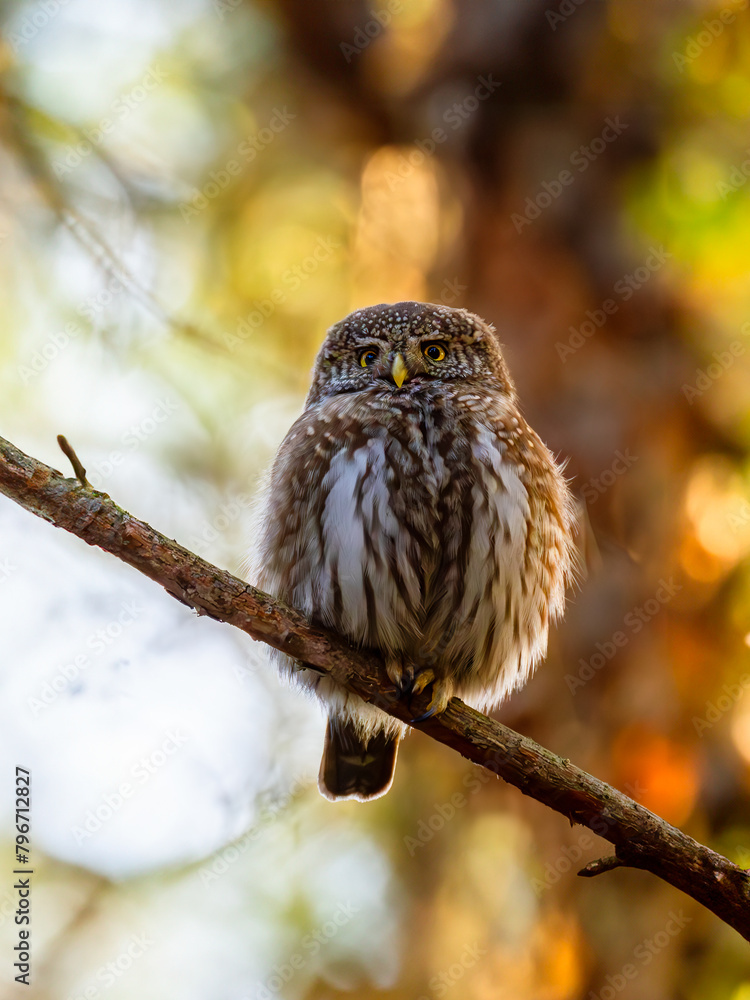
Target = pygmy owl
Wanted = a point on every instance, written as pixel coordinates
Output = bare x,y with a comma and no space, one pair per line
413,510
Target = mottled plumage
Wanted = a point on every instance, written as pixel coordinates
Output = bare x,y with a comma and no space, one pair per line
413,510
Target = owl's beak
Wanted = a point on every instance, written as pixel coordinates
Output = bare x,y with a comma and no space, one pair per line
399,371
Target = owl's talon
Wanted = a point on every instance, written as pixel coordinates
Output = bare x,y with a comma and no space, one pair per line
442,692
422,680
404,684
401,674
424,716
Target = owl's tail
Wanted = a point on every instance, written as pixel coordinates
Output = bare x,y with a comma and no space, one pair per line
352,768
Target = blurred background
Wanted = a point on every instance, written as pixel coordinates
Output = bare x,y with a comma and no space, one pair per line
190,195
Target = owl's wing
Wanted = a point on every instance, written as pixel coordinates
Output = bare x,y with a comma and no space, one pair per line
287,547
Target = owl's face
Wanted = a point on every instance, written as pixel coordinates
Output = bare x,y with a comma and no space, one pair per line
405,347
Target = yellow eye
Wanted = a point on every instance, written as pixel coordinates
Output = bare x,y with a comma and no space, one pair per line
435,352
368,357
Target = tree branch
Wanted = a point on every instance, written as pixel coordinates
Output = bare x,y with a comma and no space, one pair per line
641,839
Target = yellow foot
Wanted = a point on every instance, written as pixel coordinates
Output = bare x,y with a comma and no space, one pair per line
410,680
442,692
427,676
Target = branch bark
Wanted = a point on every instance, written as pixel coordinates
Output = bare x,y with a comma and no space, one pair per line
641,839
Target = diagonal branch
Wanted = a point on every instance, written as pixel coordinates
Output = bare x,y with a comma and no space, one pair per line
641,839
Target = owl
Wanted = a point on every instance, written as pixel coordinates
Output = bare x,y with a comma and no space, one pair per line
413,510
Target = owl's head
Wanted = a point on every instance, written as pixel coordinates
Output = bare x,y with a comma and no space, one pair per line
405,346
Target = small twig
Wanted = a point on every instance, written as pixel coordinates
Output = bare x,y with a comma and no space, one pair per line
601,866
75,461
